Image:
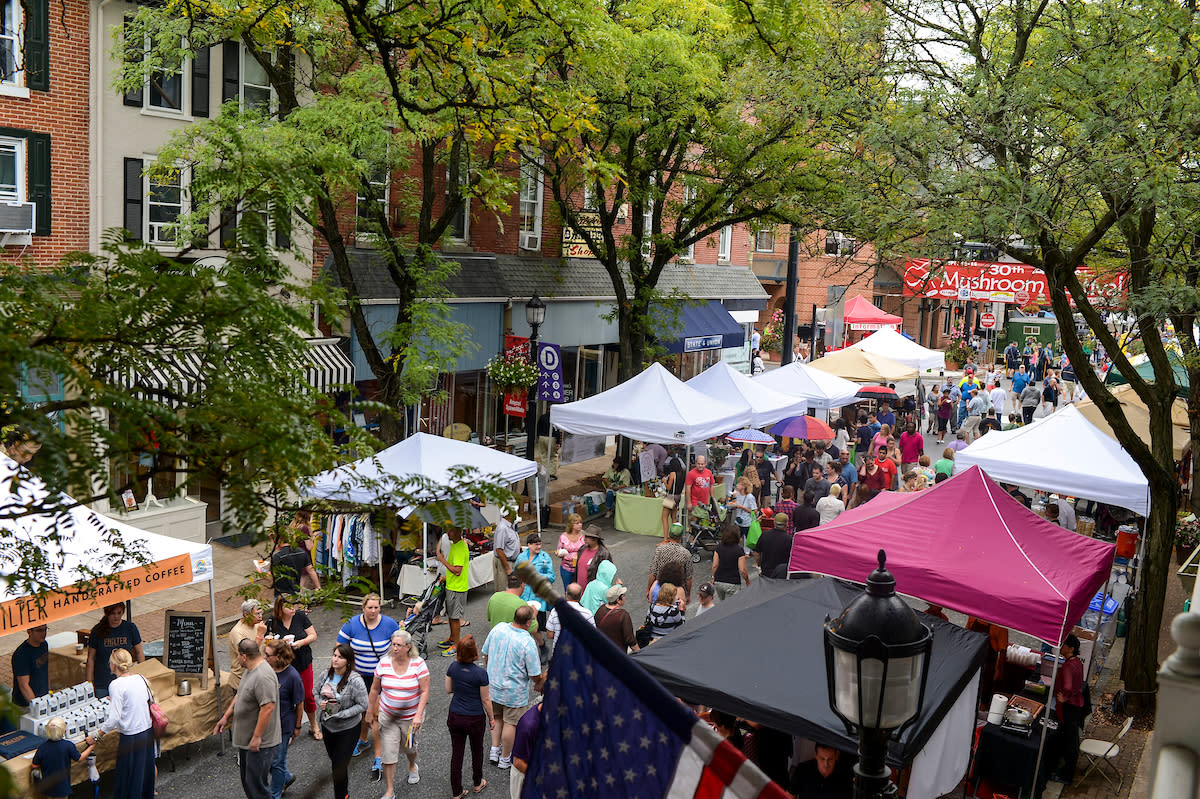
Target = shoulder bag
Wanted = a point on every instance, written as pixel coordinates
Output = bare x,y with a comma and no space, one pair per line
158,718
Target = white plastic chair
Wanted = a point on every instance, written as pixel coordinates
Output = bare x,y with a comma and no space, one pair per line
1099,754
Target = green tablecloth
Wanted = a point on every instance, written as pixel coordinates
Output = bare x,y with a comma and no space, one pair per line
637,514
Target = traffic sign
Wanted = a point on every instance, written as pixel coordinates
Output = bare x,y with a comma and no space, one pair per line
987,321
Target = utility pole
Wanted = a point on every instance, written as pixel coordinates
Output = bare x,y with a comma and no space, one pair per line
789,296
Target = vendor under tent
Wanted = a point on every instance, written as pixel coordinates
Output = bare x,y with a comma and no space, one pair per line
901,349
817,388
1139,418
1145,370
861,366
785,619
860,314
721,381
655,407
1073,457
421,462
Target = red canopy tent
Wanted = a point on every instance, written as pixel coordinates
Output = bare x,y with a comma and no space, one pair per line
860,314
966,544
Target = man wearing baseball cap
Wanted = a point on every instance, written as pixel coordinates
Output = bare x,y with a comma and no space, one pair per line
614,621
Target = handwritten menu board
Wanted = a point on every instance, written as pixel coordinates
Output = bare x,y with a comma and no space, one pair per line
187,644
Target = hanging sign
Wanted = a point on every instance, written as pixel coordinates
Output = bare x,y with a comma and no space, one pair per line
514,403
550,373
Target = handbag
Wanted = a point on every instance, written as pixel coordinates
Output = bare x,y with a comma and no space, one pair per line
158,718
668,503
753,533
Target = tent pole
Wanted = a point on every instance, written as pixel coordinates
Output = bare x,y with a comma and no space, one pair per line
424,552
537,499
1037,767
212,606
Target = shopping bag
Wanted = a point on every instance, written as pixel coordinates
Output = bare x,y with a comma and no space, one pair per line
753,533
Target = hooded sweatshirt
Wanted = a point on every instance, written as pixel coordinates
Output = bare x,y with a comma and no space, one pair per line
593,595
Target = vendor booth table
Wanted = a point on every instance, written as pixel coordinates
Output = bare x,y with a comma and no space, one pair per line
1004,757
638,514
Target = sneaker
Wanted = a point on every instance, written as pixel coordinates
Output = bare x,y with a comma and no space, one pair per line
505,762
494,755
444,644
414,776
360,747
449,653
377,770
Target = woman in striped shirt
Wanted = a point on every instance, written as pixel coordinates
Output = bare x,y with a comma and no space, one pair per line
398,698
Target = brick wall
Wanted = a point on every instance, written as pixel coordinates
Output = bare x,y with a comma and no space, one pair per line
63,112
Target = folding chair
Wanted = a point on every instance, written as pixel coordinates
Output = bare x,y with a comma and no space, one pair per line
1099,754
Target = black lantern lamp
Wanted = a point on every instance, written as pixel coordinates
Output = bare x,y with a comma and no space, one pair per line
535,315
876,664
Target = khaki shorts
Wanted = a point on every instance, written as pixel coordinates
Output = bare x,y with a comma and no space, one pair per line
456,604
393,735
510,715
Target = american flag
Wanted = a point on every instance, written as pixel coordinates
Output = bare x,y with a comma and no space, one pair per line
610,730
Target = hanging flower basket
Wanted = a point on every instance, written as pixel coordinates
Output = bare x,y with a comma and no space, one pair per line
512,371
772,334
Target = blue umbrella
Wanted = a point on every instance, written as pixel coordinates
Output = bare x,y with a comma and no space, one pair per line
749,435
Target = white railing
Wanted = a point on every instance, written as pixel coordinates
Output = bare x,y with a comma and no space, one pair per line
1175,761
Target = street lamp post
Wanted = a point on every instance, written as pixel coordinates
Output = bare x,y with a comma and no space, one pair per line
535,315
876,664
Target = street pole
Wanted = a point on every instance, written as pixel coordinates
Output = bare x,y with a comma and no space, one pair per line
812,339
789,296
532,413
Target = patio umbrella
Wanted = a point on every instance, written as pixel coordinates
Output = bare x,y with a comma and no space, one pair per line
749,435
809,428
877,393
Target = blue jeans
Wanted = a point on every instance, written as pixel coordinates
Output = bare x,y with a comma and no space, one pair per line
568,576
610,498
962,413
279,770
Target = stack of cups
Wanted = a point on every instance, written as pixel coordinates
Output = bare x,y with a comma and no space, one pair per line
996,711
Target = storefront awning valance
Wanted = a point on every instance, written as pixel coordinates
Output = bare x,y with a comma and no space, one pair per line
702,327
328,367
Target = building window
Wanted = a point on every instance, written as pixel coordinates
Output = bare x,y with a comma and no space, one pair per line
459,228
12,170
839,244
725,244
165,89
764,240
531,206
689,196
165,194
947,312
254,90
12,53
379,182
589,196
170,89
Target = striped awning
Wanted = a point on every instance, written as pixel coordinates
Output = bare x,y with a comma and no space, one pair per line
328,367
180,373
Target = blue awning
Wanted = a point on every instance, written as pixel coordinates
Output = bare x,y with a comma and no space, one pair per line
701,327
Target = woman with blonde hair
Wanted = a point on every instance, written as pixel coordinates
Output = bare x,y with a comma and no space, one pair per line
569,544
397,701
666,613
129,715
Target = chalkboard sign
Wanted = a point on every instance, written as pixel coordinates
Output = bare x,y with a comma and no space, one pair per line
186,647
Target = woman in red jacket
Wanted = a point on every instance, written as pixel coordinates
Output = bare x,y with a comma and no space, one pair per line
1068,704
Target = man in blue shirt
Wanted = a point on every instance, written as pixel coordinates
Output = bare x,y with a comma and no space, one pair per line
886,416
31,667
1019,381
849,475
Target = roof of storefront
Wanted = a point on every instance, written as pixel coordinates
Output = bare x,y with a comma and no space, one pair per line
486,276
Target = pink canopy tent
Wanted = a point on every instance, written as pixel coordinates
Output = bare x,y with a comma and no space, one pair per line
966,544
860,314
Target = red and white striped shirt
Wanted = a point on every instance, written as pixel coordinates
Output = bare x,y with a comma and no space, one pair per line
399,694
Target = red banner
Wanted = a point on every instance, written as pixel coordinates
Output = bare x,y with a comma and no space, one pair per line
1002,282
515,403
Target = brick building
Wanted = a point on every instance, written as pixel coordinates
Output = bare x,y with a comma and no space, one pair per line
44,130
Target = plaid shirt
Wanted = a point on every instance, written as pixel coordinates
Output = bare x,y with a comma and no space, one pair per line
787,507
672,552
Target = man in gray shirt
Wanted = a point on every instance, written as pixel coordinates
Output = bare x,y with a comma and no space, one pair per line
506,546
1031,397
255,715
975,407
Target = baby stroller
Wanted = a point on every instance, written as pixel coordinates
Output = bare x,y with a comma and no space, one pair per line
705,526
419,621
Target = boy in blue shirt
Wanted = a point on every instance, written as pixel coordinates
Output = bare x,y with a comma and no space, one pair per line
53,759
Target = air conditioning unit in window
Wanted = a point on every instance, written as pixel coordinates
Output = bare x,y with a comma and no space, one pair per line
16,217
839,244
531,241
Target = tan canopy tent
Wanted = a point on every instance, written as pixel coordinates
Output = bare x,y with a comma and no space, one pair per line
1139,418
863,367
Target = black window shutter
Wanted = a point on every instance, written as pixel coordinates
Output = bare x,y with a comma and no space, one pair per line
39,181
231,56
37,44
200,72
283,226
134,53
228,226
134,199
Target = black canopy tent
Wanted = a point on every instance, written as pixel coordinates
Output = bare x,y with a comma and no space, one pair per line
760,656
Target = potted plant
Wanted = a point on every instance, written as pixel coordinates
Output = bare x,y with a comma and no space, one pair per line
958,351
1187,537
772,334
512,371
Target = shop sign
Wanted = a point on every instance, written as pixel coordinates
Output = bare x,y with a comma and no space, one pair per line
573,244
550,386
992,281
514,403
700,343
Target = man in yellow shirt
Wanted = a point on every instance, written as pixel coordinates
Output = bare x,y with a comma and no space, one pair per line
457,562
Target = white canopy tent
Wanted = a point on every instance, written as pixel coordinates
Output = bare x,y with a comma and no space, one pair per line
424,464
655,407
721,381
816,388
901,349
1064,453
